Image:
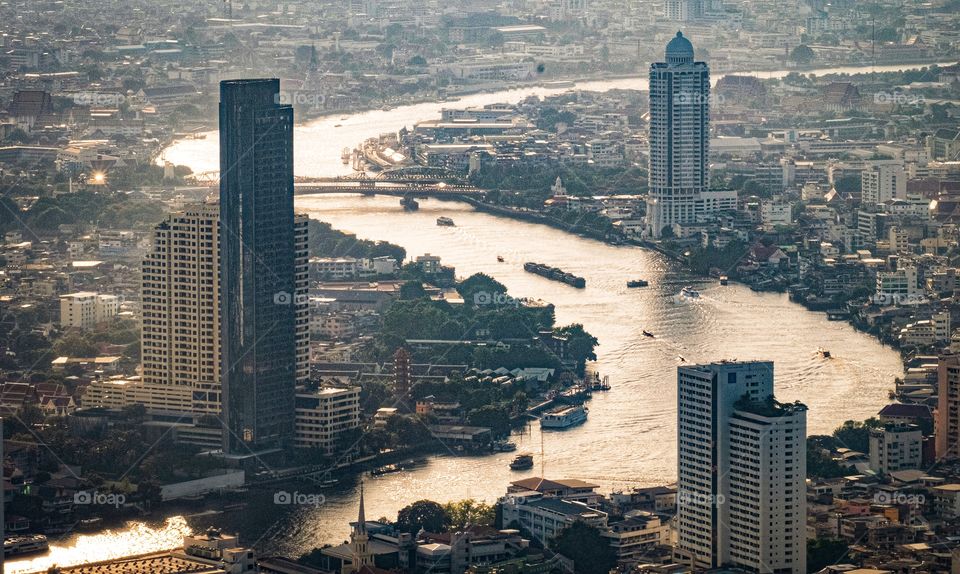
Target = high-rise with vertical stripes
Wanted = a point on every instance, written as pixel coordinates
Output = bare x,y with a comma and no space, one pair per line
741,493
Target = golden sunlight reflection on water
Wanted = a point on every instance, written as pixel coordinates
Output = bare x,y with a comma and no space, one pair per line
135,539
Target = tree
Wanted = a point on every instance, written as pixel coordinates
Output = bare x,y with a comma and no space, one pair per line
590,552
468,512
802,54
822,552
422,514
494,417
856,435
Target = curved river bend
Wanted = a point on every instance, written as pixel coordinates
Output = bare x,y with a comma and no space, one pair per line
629,439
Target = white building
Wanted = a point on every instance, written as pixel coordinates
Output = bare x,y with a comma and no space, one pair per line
900,286
85,309
679,158
927,332
741,470
775,213
895,447
545,517
881,183
322,416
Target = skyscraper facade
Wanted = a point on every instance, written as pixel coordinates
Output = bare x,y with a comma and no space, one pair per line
679,136
258,271
180,298
741,495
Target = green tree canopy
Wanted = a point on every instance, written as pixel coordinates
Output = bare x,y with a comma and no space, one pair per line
425,514
590,552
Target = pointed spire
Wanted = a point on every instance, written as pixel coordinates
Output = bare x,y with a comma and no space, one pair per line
361,517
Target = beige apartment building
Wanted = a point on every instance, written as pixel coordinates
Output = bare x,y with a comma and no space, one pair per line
180,295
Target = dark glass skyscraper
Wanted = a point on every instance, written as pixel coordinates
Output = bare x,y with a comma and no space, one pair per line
258,324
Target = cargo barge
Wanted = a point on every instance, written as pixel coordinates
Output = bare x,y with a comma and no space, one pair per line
555,274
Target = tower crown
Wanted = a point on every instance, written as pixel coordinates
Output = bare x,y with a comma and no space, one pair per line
679,50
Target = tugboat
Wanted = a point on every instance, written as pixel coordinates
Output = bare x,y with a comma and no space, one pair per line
637,283
445,222
409,203
824,354
522,462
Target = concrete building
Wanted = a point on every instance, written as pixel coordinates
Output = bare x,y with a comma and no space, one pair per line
741,470
900,286
895,447
324,415
85,309
180,299
881,183
947,416
544,517
679,136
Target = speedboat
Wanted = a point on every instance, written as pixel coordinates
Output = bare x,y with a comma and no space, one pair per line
648,334
522,462
824,354
637,283
445,222
689,293
499,258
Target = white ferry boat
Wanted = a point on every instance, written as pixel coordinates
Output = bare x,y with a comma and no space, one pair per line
563,417
27,544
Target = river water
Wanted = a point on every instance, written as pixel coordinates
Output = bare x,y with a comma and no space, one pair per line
630,436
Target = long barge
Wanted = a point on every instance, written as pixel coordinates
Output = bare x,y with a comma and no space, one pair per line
555,274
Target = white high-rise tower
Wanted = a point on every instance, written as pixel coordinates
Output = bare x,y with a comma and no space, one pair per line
741,494
679,136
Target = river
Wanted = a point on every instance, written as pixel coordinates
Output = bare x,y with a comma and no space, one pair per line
629,438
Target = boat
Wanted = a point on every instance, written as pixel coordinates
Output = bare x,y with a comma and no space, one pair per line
503,446
563,417
345,155
445,222
689,293
648,334
555,274
409,203
522,462
387,469
637,283
338,125
600,385
26,544
724,280
824,354
499,258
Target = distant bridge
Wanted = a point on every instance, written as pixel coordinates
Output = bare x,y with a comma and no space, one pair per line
420,187
419,182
